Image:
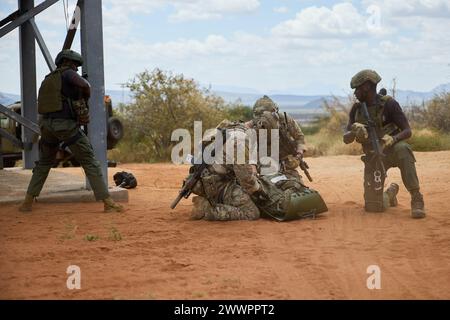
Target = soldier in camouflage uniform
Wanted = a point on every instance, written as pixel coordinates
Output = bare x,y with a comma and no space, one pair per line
223,192
62,104
266,116
392,129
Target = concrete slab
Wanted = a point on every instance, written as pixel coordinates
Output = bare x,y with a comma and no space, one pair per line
59,187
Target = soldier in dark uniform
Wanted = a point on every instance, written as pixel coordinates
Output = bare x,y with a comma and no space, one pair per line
62,104
392,130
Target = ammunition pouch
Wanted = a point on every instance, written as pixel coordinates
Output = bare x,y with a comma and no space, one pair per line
212,186
373,187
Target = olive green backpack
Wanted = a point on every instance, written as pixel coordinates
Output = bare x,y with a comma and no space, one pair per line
288,199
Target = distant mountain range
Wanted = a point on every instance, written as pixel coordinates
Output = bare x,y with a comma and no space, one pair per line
7,98
291,103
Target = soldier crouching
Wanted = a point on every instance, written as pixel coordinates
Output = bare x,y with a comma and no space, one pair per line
224,190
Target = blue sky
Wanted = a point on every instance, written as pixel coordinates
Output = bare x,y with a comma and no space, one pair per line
284,46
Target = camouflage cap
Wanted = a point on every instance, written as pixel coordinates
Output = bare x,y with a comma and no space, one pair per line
69,55
363,76
264,104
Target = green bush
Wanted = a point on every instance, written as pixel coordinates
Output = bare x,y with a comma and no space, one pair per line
435,114
239,112
438,112
429,140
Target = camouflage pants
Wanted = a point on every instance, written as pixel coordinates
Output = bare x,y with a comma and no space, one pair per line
54,131
400,155
236,205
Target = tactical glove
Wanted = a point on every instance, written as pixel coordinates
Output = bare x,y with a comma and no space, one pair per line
388,140
360,132
291,162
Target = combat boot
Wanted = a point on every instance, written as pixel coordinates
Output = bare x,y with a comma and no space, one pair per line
417,205
111,206
392,192
199,208
27,204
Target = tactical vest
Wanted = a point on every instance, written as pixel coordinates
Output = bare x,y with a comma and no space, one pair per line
289,199
376,114
50,98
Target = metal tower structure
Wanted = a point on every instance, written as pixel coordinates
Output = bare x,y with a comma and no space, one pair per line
89,14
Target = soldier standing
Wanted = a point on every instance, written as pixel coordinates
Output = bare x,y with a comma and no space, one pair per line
392,128
62,103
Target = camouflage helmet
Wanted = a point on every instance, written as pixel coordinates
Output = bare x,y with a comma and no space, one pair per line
363,76
264,104
69,55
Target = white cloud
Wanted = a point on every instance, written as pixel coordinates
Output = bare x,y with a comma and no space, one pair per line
419,8
185,10
212,9
320,45
179,49
342,20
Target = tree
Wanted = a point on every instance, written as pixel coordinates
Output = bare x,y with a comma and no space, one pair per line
162,103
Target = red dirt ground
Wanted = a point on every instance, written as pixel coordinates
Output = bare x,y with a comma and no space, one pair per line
164,255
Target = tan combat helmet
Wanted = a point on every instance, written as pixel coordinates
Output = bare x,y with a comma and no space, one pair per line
363,76
264,104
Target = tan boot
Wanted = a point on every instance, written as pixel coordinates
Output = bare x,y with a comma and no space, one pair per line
27,204
417,205
392,192
198,211
111,206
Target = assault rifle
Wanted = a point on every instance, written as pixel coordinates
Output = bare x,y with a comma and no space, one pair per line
189,183
378,154
195,175
292,149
